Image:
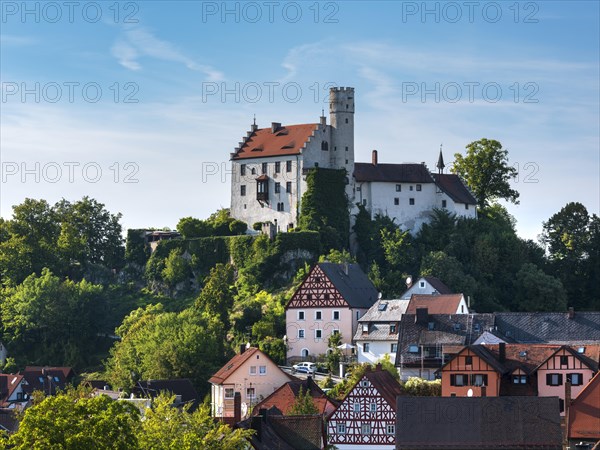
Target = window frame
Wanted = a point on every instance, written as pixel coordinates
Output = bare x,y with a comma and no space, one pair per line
288,165
227,397
301,333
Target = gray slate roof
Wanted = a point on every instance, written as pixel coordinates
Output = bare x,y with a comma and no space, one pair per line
478,423
355,287
392,173
377,332
392,312
548,328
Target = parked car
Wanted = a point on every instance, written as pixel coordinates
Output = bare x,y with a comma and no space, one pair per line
305,367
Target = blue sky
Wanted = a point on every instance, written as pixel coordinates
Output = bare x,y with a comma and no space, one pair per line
138,104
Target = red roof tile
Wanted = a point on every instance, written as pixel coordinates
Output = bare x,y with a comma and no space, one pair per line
232,365
435,304
284,397
584,413
287,140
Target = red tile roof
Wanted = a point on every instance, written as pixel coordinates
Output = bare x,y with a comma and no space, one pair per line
435,304
284,397
8,384
232,365
287,140
584,413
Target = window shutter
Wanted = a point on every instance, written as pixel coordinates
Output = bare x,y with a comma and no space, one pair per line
452,380
548,379
560,379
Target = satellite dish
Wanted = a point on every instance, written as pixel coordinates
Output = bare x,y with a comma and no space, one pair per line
244,409
408,280
470,393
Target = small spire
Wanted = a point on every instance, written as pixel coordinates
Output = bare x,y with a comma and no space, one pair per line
440,164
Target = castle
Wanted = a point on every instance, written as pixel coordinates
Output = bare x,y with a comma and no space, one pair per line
270,165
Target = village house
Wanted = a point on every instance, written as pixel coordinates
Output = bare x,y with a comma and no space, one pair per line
583,421
366,418
425,285
49,380
331,299
377,331
517,369
252,374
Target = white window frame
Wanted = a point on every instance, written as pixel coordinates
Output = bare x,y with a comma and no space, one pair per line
262,370
356,407
227,397
366,347
253,396
390,428
301,333
319,315
421,284
253,370
318,333
394,347
341,428
373,407
365,429
301,313
333,313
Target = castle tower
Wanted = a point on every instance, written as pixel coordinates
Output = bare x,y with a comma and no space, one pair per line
341,116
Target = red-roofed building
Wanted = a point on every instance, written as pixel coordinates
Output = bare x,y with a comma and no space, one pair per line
584,414
251,373
438,304
366,418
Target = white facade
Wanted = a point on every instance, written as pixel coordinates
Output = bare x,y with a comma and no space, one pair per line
376,351
422,287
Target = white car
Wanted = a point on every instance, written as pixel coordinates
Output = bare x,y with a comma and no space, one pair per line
305,367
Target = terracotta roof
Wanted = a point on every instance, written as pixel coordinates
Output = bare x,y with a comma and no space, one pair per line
287,140
392,173
232,365
454,187
435,304
59,378
584,413
387,386
284,397
478,423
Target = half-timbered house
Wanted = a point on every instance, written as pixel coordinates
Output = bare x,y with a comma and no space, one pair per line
366,418
331,299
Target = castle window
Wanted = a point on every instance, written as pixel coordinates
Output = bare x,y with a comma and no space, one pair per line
418,187
364,202
411,201
280,206
346,120
301,334
396,201
346,163
411,188
242,169
398,188
318,315
335,315
300,315
288,187
346,148
466,206
243,190
253,171
288,166
262,190
264,167
444,204
277,167
277,188
324,146
318,334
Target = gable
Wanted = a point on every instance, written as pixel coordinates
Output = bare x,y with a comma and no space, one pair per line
565,359
317,291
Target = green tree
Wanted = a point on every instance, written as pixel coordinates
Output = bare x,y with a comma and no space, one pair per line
419,387
216,297
486,171
46,320
303,404
177,269
167,428
537,291
69,422
335,355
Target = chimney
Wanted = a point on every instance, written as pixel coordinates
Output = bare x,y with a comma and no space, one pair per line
323,118
422,316
571,312
237,407
374,157
275,126
242,348
501,352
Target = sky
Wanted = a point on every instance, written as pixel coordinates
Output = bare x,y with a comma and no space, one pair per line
139,104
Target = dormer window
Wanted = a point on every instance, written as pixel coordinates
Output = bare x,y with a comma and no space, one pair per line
365,328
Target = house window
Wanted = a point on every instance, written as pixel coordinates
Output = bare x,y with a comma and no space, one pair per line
253,171
373,407
366,347
277,167
468,360
396,201
564,360
229,392
411,201
341,428
252,370
365,328
250,393
413,348
335,332
411,188
264,168
301,334
391,428
356,407
365,428
243,190
458,379
398,188
430,326
318,334
288,187
20,396
479,379
554,379
519,379
422,284
242,169
418,187
392,329
277,188
318,315
300,315
576,379
364,383
262,370
393,348
336,315
444,204
288,166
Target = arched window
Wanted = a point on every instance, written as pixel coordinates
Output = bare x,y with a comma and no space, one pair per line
324,146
